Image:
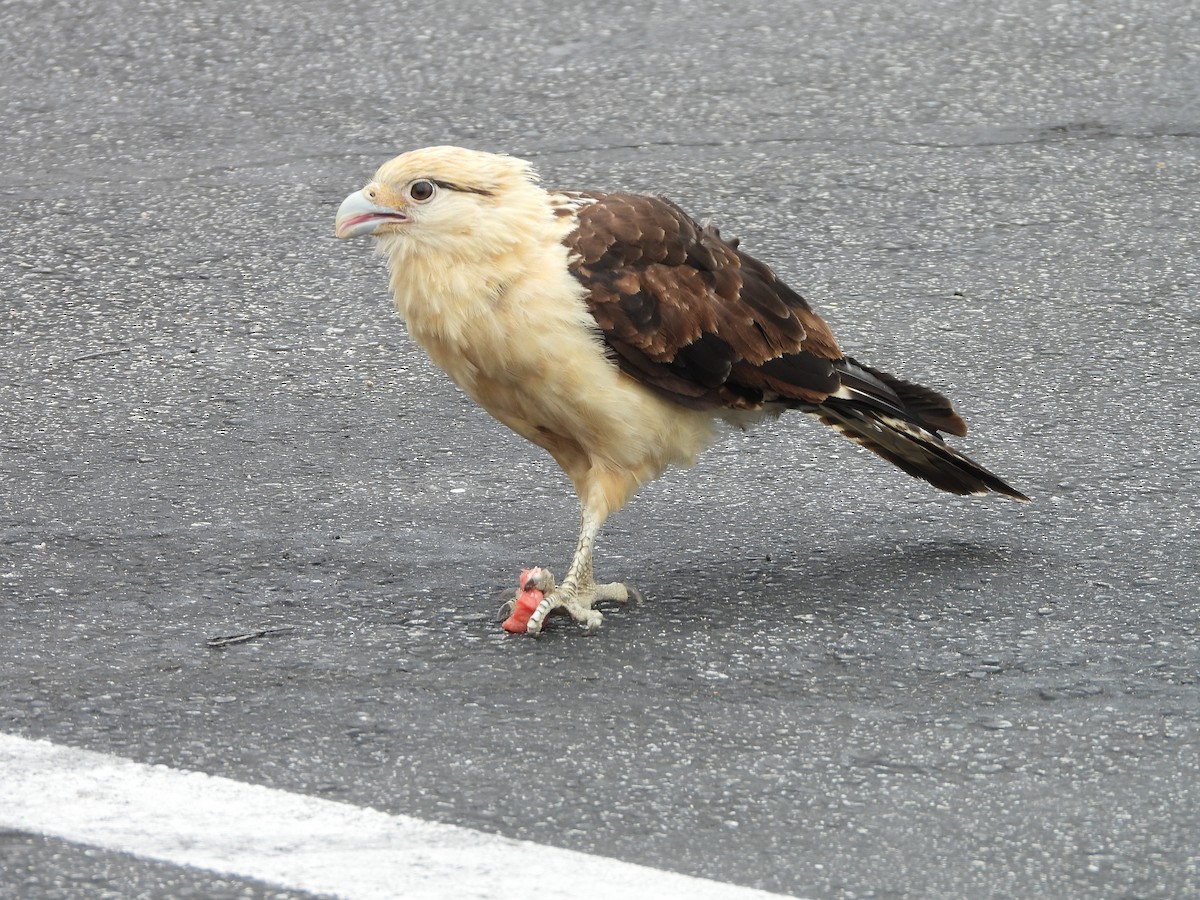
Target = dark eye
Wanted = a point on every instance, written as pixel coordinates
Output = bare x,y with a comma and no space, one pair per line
421,191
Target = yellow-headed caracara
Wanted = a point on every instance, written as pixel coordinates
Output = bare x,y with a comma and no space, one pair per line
615,332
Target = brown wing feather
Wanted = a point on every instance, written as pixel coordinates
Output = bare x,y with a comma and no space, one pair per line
691,316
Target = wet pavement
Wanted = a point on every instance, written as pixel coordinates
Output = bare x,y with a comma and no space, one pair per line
841,684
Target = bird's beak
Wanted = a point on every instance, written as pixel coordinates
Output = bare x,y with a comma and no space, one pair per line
359,215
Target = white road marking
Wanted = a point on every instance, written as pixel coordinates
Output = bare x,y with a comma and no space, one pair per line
299,842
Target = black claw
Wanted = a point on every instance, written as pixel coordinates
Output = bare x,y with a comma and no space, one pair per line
508,602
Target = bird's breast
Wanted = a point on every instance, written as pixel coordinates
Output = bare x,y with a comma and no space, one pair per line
532,355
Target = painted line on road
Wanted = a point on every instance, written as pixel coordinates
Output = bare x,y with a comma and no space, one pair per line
303,843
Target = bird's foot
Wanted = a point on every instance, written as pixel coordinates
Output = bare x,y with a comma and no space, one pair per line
538,598
577,601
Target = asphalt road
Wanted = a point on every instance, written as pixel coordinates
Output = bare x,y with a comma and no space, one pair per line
842,684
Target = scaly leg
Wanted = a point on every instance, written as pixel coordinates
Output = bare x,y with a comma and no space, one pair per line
578,591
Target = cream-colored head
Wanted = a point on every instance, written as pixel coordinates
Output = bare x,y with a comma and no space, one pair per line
444,200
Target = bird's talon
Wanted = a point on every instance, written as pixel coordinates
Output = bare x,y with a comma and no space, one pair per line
541,579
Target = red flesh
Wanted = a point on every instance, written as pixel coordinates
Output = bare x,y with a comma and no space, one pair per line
527,601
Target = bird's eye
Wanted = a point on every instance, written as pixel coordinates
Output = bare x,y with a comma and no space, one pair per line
420,191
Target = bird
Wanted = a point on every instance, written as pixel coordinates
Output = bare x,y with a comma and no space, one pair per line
621,335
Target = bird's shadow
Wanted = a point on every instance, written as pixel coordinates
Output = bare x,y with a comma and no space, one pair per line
900,574
885,565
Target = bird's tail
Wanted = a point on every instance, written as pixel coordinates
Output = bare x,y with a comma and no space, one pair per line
900,421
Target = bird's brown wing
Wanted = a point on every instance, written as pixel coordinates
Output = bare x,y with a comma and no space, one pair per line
692,317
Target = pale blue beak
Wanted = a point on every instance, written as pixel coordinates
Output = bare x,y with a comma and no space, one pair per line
357,215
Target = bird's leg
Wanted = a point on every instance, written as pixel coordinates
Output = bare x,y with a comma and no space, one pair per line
578,591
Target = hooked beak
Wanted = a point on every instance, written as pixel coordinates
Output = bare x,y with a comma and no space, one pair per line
358,215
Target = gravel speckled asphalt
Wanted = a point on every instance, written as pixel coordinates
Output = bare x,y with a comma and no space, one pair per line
842,684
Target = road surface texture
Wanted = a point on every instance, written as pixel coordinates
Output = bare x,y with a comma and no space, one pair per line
842,683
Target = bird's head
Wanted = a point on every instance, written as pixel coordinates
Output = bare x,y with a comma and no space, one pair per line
443,198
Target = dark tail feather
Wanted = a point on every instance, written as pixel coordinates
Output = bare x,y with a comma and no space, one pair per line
900,421
930,407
